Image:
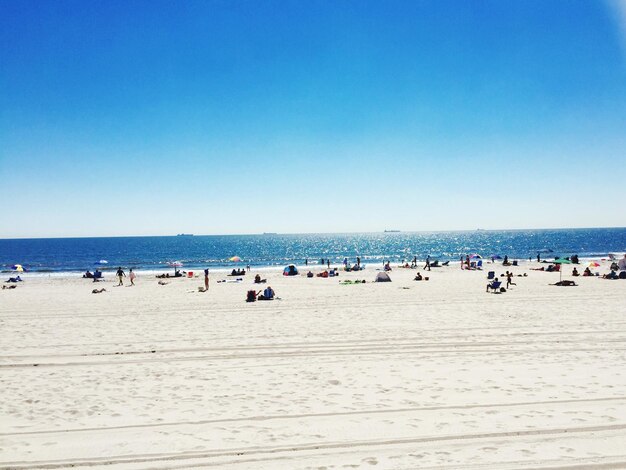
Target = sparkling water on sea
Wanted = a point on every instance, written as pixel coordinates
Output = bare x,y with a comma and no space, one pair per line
47,255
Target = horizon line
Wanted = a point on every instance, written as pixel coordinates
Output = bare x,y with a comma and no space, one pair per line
394,231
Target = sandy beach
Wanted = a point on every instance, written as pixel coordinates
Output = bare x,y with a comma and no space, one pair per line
399,375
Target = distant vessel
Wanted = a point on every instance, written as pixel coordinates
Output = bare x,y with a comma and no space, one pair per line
270,233
185,235
392,231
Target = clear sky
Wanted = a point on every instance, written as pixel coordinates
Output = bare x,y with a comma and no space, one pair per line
215,117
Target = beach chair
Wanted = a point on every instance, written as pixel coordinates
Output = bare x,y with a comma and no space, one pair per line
494,286
491,275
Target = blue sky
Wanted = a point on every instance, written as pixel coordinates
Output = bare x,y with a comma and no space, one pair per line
215,117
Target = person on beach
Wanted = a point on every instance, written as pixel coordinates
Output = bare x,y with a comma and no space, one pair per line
120,275
467,262
418,277
328,262
427,266
206,280
268,294
538,258
575,272
509,279
132,276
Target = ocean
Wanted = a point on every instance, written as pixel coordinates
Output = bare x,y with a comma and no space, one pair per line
61,255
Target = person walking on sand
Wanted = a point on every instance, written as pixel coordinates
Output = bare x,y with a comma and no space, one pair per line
206,280
427,266
132,276
509,279
120,274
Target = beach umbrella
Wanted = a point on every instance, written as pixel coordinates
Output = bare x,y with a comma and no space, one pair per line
102,261
496,256
235,259
18,267
594,264
175,264
476,256
561,261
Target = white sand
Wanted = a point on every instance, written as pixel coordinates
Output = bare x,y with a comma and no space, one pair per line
401,375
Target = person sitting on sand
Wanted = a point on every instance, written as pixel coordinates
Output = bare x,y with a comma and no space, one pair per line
258,280
88,275
387,266
575,272
611,275
309,274
418,277
268,294
587,272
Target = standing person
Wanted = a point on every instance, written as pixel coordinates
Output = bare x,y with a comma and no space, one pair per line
427,266
461,262
247,268
358,261
306,261
206,280
509,279
345,262
467,262
328,262
120,273
538,258
132,277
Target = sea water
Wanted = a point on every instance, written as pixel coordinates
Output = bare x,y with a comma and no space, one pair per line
60,255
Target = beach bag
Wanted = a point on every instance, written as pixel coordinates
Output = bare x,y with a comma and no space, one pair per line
251,296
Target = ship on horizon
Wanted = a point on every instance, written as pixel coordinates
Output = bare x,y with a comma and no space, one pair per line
392,231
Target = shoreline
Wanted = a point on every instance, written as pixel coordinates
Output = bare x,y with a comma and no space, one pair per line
313,265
